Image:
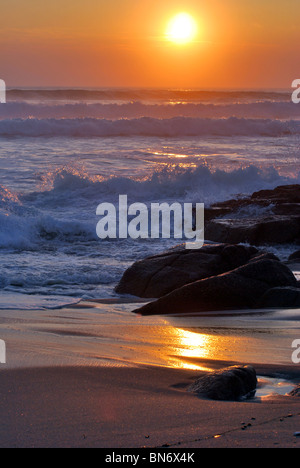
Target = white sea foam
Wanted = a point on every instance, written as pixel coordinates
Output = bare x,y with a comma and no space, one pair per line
200,184
152,145
26,222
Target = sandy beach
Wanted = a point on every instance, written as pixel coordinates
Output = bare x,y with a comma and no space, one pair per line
149,225
74,378
134,408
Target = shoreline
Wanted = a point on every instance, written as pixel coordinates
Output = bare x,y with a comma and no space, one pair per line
143,407
98,375
109,333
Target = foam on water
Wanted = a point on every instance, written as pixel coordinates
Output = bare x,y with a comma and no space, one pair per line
11,301
65,151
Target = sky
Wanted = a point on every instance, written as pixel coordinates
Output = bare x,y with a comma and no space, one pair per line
123,43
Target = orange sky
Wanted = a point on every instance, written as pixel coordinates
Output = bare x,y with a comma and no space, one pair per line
240,44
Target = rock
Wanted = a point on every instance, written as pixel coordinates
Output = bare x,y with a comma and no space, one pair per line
280,195
255,231
295,255
232,383
238,289
280,297
234,221
284,200
161,274
295,392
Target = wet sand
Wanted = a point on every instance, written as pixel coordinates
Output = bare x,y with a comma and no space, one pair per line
134,407
99,376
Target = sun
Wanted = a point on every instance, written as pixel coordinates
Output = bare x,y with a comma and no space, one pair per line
181,29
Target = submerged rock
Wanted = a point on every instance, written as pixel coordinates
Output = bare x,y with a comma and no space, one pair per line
238,289
232,383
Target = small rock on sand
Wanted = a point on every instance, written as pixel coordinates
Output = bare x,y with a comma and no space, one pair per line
232,383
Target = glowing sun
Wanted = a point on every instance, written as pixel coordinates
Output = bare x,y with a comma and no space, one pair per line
181,29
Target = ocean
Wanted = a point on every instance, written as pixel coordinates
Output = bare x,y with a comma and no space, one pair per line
65,151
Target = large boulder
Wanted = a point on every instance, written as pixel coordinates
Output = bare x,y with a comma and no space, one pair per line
238,289
295,256
232,383
158,275
280,297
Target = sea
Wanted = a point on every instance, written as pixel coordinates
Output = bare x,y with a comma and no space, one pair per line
65,151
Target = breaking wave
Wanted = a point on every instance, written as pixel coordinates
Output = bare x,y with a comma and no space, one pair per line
29,220
147,126
137,109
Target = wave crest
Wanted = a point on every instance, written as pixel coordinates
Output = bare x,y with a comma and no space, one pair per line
147,126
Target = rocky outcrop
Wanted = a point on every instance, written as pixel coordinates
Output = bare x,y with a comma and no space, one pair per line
161,274
232,383
284,200
279,224
240,288
282,195
255,230
295,392
226,275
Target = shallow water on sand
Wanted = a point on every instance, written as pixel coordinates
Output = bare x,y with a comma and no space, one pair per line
269,386
110,334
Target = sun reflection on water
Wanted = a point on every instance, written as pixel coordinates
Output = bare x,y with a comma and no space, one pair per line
189,346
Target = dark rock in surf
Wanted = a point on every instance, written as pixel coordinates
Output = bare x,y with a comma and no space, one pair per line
288,297
232,384
295,392
284,200
278,223
161,274
238,289
295,256
255,231
283,194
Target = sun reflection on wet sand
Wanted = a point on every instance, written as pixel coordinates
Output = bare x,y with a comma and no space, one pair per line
196,350
247,340
109,334
189,344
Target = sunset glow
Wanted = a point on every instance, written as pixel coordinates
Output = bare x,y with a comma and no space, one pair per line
182,28
214,44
